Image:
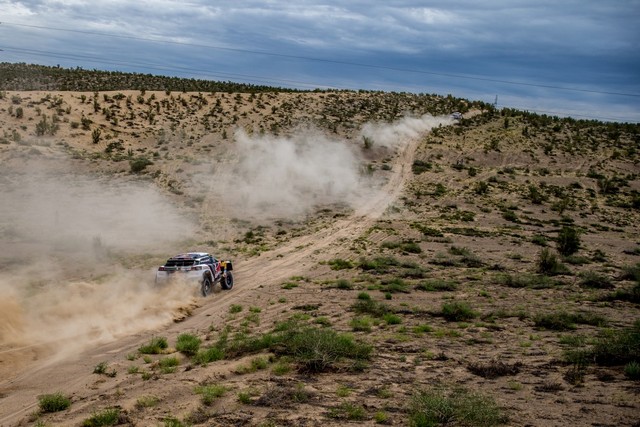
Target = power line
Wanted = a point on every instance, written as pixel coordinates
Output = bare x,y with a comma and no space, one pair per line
331,61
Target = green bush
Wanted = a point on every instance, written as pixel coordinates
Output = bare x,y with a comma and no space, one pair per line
188,344
208,355
436,285
457,311
632,370
139,164
53,402
593,280
548,263
317,350
618,347
563,321
348,411
439,407
210,392
155,346
340,264
361,324
108,417
568,241
369,306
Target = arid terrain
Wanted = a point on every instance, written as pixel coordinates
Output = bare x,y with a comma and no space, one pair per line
393,266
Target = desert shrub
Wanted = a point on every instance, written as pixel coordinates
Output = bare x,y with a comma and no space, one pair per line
343,284
420,166
593,280
440,407
632,370
395,285
494,369
188,344
510,215
568,241
139,164
340,264
535,195
562,321
539,239
364,296
548,263
481,187
369,306
101,369
53,402
467,257
631,272
107,417
436,285
168,364
392,319
457,311
317,350
630,295
410,247
208,355
155,346
148,401
361,324
378,265
210,392
347,411
618,347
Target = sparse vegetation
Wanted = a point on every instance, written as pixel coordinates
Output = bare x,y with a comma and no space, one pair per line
440,407
155,346
478,258
188,344
106,417
53,402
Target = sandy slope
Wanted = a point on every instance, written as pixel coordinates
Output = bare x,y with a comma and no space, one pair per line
74,374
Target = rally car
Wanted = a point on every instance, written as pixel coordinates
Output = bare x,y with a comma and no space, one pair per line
197,267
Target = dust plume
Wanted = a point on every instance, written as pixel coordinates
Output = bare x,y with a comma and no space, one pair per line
278,176
287,176
396,134
63,236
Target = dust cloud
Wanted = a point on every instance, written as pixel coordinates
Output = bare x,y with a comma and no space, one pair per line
289,176
63,239
396,134
278,176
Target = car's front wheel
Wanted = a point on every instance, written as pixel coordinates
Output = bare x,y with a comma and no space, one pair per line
227,281
206,286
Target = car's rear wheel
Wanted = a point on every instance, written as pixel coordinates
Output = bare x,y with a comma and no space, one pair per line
206,286
227,281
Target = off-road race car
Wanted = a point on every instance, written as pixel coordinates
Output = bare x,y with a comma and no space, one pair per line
197,267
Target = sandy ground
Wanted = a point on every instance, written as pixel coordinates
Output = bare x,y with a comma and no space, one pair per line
90,314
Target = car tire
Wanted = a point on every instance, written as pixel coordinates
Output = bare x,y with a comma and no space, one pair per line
227,282
206,286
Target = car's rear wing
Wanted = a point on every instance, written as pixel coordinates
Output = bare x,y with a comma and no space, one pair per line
226,265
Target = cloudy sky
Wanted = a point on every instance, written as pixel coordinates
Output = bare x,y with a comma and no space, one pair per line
567,57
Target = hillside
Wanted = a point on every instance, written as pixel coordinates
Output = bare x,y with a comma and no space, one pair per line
389,261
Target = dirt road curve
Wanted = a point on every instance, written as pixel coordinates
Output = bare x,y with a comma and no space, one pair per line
18,394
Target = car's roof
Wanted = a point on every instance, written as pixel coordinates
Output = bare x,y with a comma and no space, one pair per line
191,255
